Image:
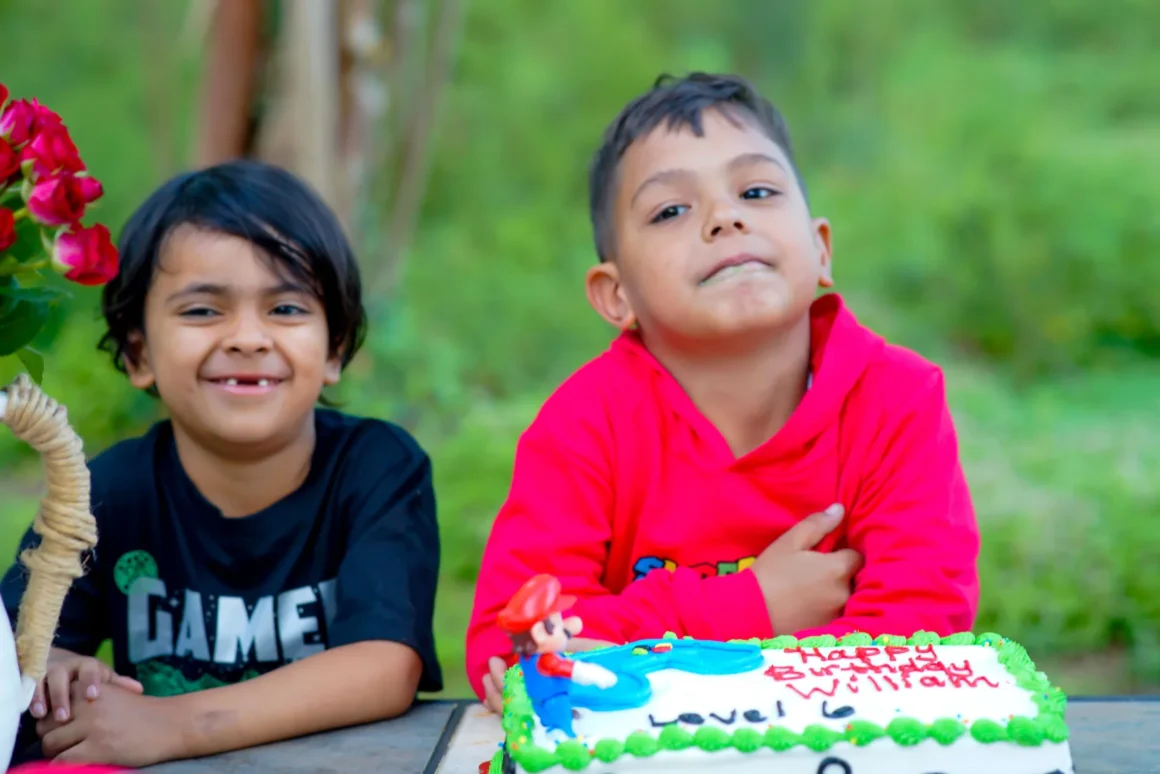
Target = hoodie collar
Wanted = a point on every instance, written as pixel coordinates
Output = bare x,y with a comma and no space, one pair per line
840,350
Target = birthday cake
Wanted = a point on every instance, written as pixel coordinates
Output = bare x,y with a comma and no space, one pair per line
962,704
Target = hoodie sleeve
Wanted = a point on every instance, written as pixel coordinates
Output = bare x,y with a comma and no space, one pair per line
914,524
558,519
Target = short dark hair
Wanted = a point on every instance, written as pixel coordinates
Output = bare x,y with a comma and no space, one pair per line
677,102
261,203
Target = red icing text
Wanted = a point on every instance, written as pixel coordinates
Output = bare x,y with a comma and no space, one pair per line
869,669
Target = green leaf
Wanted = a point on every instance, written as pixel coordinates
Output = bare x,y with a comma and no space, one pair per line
40,295
28,278
20,324
10,367
33,361
28,246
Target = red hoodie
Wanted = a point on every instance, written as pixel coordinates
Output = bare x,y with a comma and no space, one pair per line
620,475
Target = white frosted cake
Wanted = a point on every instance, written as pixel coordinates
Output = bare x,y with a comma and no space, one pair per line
963,704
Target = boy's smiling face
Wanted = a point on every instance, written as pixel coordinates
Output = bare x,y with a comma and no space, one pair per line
712,237
238,352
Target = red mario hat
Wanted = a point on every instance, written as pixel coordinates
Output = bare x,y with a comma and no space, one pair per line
536,600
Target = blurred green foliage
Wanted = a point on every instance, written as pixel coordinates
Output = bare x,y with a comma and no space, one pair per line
990,172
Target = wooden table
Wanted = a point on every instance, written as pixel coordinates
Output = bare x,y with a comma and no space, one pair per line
1110,735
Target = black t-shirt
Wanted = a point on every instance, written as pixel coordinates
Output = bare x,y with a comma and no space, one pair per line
193,600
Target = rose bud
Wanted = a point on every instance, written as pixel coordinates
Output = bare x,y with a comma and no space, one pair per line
9,162
7,229
56,201
91,188
86,256
49,152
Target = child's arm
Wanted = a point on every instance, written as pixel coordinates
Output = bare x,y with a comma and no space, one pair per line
350,685
558,519
914,524
381,643
381,640
83,626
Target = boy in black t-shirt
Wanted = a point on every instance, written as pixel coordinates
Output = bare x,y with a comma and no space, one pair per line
265,569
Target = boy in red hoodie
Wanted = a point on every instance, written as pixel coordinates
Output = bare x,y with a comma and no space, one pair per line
746,459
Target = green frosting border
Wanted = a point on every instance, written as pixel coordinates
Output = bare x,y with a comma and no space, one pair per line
1048,725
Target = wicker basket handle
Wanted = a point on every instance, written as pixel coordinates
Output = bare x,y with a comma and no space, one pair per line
64,522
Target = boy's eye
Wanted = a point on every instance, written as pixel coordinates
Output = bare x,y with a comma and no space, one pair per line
289,309
758,192
198,311
671,211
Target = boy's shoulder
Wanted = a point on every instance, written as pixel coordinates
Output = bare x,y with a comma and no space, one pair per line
127,465
617,379
382,441
862,365
902,369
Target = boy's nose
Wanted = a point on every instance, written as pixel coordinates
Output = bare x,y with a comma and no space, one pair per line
725,218
247,336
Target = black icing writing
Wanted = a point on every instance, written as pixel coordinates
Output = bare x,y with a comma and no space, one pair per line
840,712
755,716
834,765
692,718
750,715
697,719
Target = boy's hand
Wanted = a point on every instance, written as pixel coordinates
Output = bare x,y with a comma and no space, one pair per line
803,588
66,668
496,667
122,729
493,684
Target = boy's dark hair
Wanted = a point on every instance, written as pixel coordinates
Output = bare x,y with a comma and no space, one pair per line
260,203
677,103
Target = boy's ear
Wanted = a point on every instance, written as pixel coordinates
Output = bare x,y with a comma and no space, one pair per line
333,370
825,252
607,297
136,362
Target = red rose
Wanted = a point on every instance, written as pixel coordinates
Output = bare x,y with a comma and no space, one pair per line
9,162
7,229
91,188
45,117
3,94
56,201
86,256
22,119
18,121
52,151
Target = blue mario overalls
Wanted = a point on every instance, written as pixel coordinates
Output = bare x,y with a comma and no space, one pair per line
549,696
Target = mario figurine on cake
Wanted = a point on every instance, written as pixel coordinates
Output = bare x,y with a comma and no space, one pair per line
539,635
